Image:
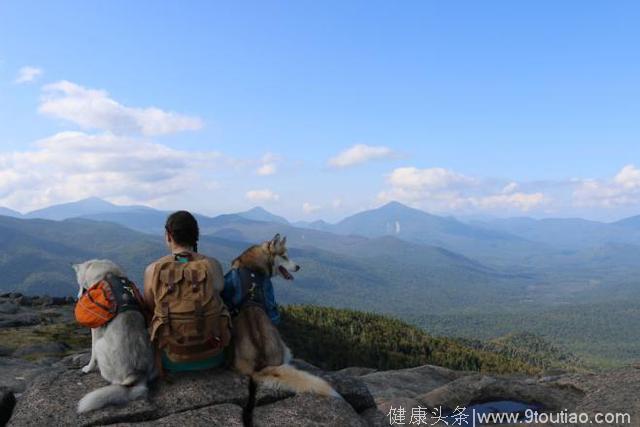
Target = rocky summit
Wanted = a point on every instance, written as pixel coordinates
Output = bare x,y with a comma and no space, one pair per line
221,397
41,384
213,397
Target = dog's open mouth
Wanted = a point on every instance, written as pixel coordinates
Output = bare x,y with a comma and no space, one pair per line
285,273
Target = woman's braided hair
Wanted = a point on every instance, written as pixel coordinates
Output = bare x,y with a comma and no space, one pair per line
183,228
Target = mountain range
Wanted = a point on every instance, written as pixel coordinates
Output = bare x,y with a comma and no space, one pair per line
392,219
432,270
35,257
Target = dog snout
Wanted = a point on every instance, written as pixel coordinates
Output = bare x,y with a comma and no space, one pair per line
297,268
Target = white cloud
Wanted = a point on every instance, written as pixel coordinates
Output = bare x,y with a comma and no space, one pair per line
622,190
115,163
28,74
94,109
510,188
628,178
309,208
427,179
520,201
262,196
268,164
443,190
360,153
267,169
72,165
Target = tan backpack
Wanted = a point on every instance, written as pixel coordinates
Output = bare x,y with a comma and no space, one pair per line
190,321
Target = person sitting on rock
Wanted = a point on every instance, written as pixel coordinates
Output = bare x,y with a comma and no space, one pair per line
190,325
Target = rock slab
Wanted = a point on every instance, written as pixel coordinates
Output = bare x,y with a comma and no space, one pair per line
306,410
204,398
52,398
224,415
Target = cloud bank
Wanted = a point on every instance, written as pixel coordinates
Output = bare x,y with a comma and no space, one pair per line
443,190
115,157
359,153
93,109
74,165
115,162
620,191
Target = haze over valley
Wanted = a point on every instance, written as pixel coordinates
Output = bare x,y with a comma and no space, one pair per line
555,278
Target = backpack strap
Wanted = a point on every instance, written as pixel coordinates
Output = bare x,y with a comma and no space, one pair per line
251,286
125,294
107,297
166,318
199,313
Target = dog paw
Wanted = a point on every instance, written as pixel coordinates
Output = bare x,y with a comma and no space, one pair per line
87,369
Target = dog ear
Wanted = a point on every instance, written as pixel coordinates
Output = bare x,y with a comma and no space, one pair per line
274,242
283,242
74,266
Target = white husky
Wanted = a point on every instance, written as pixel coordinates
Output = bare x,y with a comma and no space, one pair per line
121,349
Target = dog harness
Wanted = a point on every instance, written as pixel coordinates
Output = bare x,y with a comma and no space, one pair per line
103,301
243,287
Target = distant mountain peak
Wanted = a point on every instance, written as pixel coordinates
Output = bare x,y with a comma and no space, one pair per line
9,212
394,205
258,209
259,213
394,211
92,201
78,208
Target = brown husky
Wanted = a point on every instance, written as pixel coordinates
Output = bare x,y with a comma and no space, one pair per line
258,348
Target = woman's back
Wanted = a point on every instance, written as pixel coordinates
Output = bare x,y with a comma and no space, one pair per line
190,324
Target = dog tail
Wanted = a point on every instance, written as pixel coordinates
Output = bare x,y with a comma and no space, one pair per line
114,394
289,378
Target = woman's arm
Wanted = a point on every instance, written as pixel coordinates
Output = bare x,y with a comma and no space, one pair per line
216,271
149,298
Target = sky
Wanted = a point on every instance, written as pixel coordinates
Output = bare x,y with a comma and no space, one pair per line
322,109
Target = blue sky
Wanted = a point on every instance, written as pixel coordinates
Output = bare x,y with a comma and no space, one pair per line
321,109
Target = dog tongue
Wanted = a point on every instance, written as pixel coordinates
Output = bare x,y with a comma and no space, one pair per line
285,273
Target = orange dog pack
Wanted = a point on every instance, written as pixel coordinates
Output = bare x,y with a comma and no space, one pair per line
103,301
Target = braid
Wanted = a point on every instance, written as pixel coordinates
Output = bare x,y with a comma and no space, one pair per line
183,228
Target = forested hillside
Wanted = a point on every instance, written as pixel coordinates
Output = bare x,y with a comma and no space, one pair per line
531,348
602,334
335,339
